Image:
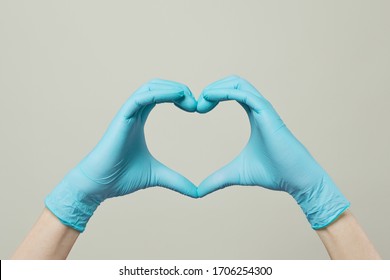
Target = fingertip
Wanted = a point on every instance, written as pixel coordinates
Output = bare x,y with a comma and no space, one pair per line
204,106
220,179
201,193
197,193
170,179
193,193
188,103
209,185
187,189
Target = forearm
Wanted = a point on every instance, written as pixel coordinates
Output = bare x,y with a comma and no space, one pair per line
345,239
48,239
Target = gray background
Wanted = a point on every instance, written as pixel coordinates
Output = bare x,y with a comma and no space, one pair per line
67,66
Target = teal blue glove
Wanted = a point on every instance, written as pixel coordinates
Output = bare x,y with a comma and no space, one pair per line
121,163
273,157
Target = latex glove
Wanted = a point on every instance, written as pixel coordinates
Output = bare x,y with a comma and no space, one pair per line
121,162
273,158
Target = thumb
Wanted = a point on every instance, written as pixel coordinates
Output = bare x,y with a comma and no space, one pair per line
170,179
224,177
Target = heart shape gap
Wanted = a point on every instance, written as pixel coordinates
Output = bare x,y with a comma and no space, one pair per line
221,134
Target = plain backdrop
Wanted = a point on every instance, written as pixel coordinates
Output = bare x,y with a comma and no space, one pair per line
66,67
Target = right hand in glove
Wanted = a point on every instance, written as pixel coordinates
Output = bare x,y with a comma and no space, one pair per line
121,162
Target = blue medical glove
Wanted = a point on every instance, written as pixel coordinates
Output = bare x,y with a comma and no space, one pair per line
273,157
121,162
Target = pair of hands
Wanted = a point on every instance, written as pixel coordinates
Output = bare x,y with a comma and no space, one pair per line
121,163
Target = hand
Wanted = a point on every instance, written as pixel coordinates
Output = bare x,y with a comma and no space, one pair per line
273,157
121,162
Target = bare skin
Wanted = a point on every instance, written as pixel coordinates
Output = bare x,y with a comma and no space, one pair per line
344,239
49,239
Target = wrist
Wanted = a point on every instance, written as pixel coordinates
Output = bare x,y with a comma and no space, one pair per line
322,203
70,202
345,239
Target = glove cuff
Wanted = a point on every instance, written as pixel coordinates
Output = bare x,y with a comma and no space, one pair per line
323,204
71,206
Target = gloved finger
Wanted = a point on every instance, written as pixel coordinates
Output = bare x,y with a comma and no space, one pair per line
188,103
146,111
230,82
204,105
238,83
222,178
167,178
139,101
207,104
255,103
